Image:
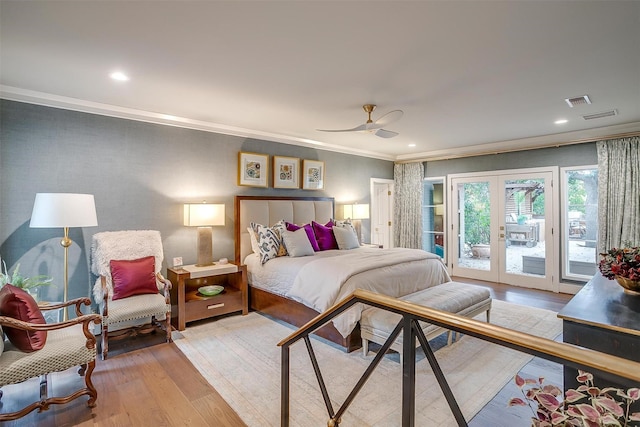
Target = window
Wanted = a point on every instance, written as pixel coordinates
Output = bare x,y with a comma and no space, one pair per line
579,222
433,216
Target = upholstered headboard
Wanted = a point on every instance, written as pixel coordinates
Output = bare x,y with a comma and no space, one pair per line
269,210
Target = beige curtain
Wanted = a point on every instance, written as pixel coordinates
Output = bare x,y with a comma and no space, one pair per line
407,217
618,192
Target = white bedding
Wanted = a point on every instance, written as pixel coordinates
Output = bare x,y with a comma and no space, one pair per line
319,282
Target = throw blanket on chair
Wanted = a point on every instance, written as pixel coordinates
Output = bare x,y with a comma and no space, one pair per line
122,245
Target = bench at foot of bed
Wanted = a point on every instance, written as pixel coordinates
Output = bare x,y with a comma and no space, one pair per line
460,298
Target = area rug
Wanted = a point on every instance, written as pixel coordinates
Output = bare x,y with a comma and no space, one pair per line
239,357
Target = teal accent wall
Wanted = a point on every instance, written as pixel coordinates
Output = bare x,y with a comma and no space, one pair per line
140,174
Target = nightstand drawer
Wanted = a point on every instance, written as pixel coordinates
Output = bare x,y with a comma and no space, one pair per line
229,301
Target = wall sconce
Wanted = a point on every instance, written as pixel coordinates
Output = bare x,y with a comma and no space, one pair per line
64,210
204,216
357,212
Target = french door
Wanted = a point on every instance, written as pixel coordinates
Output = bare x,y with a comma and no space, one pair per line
502,227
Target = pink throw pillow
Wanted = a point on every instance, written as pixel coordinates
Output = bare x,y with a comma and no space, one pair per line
310,235
133,277
324,236
18,304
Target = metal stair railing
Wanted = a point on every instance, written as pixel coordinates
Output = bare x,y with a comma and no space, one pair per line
563,353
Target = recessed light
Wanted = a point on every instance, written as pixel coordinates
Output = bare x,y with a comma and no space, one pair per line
412,145
119,76
561,121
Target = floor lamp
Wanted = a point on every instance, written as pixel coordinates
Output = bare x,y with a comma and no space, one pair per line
64,210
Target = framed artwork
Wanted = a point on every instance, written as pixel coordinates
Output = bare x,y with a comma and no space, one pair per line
253,169
286,172
312,175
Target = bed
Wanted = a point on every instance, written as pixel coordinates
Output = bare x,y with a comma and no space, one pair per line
285,287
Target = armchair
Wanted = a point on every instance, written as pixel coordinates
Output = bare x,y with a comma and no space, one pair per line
129,287
69,343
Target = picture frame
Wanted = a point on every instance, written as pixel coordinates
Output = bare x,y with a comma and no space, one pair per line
253,169
312,175
286,172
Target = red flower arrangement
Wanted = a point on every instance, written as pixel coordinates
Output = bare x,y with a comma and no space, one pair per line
623,262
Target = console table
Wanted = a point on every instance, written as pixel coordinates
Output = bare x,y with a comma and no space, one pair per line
603,318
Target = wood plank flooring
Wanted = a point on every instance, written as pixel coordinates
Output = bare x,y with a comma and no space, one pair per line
156,385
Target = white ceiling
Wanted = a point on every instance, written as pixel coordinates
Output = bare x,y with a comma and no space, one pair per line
471,77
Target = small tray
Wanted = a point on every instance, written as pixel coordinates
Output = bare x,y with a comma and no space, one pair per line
210,290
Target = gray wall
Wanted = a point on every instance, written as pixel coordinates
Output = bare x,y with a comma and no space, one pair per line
563,156
140,174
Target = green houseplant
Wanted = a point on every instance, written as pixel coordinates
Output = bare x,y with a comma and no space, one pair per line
29,284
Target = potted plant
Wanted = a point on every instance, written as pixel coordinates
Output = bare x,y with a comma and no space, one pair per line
29,284
623,265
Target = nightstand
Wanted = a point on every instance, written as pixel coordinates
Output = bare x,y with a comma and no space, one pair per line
372,245
188,305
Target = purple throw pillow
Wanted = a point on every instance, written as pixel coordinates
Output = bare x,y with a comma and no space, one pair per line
324,236
310,235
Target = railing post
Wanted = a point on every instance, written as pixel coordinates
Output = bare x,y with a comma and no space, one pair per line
408,373
284,391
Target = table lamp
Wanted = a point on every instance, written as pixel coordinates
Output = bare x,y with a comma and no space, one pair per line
357,212
204,216
64,210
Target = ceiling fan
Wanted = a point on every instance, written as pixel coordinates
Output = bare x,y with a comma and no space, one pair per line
374,127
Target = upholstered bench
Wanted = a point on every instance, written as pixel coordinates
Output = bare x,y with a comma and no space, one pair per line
460,298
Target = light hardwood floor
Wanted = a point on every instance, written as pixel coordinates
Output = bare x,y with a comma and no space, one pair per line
157,385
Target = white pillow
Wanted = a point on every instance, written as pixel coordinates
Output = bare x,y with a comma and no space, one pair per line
254,242
297,243
346,237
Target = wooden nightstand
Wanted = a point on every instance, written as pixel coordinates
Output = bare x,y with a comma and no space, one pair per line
188,305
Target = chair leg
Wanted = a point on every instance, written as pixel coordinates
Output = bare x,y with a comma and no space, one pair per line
365,346
168,326
92,392
105,341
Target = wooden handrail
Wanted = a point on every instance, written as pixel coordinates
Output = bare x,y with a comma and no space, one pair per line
567,354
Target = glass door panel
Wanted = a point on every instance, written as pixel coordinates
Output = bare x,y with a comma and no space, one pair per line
473,247
526,216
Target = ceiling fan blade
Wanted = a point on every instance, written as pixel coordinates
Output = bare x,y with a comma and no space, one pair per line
390,117
355,129
383,133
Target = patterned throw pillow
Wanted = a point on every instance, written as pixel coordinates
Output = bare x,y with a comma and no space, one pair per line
269,240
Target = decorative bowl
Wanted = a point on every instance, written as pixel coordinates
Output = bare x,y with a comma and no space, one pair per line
631,287
211,290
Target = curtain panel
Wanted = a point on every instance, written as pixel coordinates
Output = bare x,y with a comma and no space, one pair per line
618,193
407,216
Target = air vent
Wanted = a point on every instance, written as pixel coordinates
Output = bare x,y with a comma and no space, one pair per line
600,115
578,100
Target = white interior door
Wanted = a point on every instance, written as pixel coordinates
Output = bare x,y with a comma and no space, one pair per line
382,212
502,228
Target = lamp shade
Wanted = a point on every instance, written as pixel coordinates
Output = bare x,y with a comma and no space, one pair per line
203,214
360,211
58,210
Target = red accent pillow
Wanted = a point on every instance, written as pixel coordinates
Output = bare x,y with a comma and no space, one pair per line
18,304
310,235
133,277
324,235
